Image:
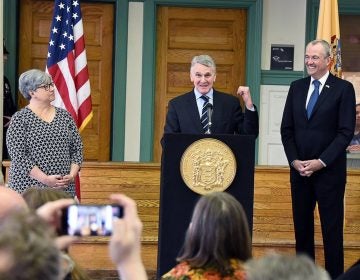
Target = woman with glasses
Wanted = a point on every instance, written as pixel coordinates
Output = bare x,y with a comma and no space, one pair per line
43,141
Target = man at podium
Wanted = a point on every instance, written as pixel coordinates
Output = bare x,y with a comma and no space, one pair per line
208,145
206,110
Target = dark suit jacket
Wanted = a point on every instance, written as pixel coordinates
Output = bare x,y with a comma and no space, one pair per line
353,273
329,130
227,117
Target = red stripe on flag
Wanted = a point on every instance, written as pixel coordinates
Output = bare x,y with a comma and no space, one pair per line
79,45
71,64
84,109
82,77
62,88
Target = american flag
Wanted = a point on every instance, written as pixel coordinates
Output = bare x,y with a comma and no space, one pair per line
67,64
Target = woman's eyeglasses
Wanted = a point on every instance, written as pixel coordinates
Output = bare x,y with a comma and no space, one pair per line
46,87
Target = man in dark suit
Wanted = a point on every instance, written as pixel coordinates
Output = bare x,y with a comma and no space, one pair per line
184,111
315,135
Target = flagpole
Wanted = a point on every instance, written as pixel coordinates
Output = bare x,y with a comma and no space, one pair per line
67,65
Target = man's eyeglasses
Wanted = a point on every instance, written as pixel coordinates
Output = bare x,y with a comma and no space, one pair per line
46,87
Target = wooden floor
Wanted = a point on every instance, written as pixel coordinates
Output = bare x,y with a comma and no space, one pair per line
272,221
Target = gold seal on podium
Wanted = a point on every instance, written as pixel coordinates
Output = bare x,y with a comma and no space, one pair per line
208,165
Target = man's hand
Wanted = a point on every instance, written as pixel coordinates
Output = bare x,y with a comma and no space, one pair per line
51,213
244,92
312,166
353,148
307,167
125,242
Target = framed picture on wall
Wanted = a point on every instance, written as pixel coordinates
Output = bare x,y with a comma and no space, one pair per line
282,57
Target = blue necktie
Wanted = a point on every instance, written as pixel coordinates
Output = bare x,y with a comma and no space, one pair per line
204,114
313,98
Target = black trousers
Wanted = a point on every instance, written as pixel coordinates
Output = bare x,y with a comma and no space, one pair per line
306,192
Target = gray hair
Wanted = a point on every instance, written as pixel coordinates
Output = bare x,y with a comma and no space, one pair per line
30,80
284,267
205,60
28,247
325,44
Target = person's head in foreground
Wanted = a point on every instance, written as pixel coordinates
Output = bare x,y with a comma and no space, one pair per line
218,233
284,267
10,201
36,197
27,248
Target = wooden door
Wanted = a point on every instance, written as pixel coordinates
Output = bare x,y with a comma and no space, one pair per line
185,32
35,23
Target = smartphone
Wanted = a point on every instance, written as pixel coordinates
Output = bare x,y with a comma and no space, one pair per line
89,220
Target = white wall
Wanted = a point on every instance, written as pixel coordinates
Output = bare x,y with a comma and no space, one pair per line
283,23
133,82
271,151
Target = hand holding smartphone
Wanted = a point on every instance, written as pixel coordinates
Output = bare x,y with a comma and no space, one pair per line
89,220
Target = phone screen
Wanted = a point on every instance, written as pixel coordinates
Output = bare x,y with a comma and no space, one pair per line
89,220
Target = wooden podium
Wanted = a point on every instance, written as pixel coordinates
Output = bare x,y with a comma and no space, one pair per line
177,200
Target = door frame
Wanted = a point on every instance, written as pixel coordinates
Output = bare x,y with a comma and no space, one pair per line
253,58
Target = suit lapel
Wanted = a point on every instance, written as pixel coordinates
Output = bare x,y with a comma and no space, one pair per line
304,91
217,111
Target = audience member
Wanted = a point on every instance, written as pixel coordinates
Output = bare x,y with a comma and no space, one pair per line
43,141
284,267
10,201
27,248
125,242
353,273
51,213
124,246
217,242
354,145
36,198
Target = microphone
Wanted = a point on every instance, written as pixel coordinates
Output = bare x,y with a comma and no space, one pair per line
209,112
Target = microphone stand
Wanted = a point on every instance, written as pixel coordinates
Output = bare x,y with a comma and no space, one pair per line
209,112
